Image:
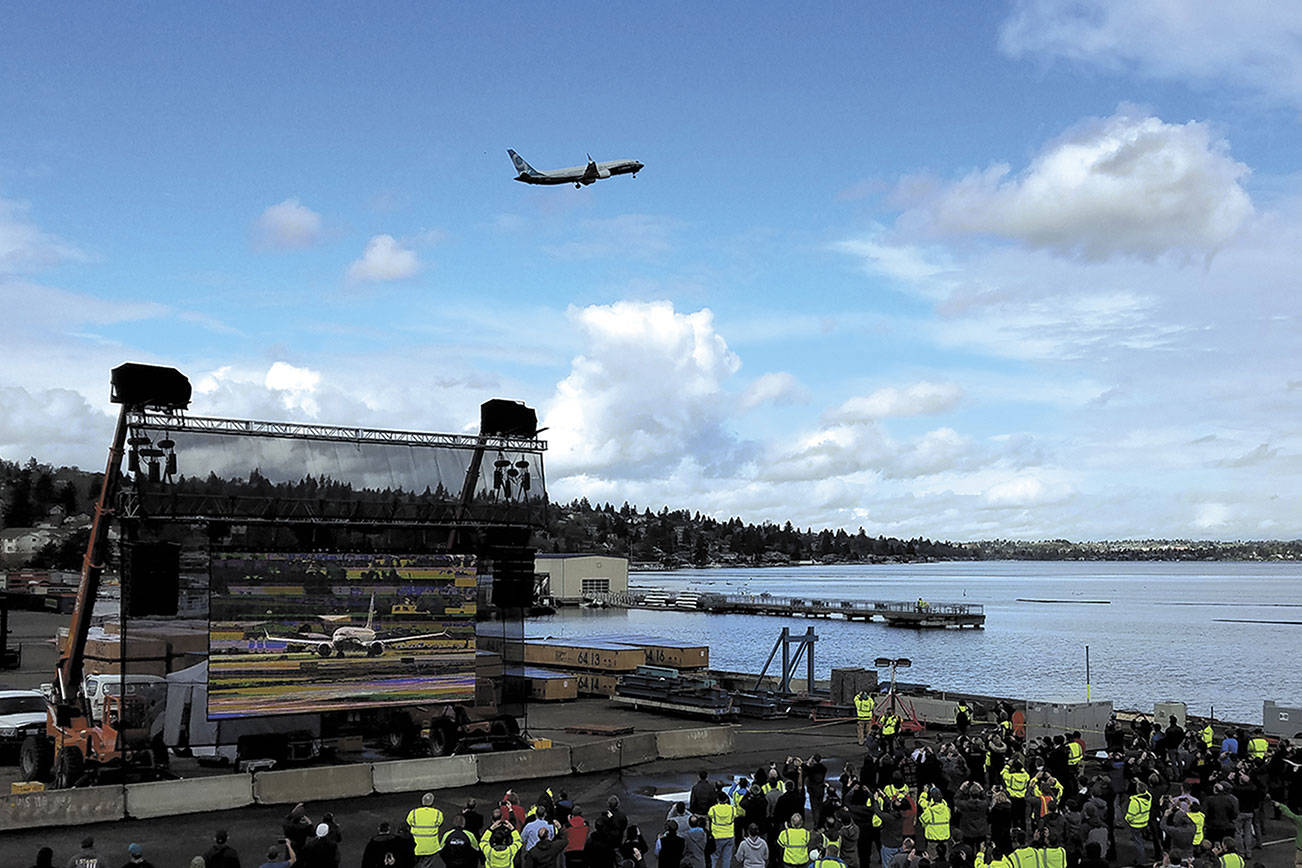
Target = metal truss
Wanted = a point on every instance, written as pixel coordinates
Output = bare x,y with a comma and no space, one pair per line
298,431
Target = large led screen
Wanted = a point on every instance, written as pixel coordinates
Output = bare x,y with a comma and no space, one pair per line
299,633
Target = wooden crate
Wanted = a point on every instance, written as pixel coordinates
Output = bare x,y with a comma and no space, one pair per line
541,685
588,656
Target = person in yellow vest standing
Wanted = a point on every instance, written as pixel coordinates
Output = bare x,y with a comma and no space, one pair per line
962,717
424,823
500,845
863,714
1258,746
890,727
794,841
1208,736
1139,808
935,819
1226,854
1016,782
830,858
723,818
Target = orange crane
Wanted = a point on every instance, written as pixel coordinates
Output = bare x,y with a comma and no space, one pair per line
78,742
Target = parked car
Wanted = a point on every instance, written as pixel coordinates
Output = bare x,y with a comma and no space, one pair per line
22,713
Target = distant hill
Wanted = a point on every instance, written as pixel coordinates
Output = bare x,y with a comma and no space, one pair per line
677,538
41,495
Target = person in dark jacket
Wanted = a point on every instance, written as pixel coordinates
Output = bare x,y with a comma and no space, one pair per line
221,854
701,797
973,811
473,819
385,845
547,852
297,827
669,847
319,851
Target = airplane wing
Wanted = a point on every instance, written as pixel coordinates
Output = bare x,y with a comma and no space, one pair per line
305,642
387,641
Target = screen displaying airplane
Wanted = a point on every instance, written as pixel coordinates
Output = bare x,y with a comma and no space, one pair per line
579,176
351,638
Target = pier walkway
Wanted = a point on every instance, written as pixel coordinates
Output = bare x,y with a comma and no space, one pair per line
895,614
919,614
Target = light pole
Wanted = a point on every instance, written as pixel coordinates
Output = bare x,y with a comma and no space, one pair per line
893,663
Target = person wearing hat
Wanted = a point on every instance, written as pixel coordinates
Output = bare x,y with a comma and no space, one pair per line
86,857
221,854
138,860
320,851
282,855
424,823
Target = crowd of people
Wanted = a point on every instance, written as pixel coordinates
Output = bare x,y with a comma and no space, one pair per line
1162,796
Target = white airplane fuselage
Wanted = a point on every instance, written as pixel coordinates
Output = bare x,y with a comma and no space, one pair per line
579,176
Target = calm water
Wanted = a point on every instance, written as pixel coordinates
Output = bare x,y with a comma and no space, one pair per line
1157,638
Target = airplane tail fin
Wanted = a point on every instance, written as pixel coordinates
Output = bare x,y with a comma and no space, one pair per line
521,165
370,613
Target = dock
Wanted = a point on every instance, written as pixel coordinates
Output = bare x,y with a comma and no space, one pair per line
918,614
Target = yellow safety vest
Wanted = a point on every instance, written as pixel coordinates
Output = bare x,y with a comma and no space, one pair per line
424,824
795,846
1075,753
1053,857
1137,810
863,707
890,724
722,818
1199,819
501,858
1001,862
1016,783
1257,748
1208,735
828,863
1231,860
893,792
935,820
1024,857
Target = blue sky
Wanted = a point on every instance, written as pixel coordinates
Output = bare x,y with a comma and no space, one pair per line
955,270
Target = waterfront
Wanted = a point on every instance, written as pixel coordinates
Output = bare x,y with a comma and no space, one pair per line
1167,630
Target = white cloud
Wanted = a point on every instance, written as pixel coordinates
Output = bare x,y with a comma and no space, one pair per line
1025,491
918,399
384,259
1211,516
287,225
779,387
51,425
1251,42
24,246
647,393
1120,185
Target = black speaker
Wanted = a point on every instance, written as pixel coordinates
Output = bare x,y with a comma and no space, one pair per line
151,575
502,418
512,559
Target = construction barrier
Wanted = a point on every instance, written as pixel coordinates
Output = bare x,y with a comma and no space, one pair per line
520,765
189,796
62,808
317,784
614,753
434,773
708,741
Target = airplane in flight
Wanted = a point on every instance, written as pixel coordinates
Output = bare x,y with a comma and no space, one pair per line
351,638
579,176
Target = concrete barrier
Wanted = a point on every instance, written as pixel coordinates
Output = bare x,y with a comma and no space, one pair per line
62,808
708,741
317,784
434,773
189,796
520,765
614,753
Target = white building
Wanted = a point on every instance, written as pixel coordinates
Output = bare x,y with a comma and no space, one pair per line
572,577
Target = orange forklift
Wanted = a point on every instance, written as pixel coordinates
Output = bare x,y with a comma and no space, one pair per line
83,739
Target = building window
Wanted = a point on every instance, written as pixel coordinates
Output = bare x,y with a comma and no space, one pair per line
596,586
